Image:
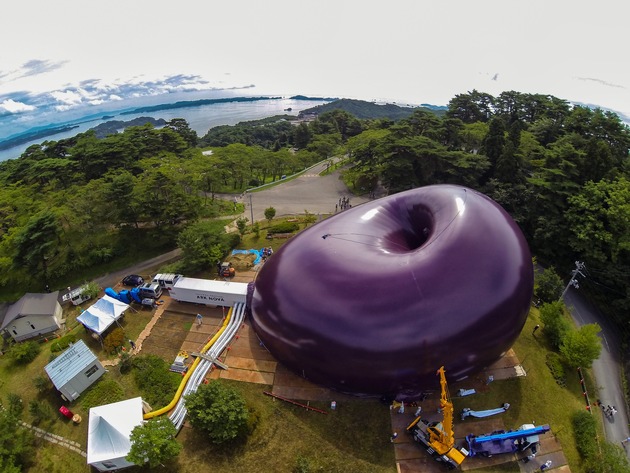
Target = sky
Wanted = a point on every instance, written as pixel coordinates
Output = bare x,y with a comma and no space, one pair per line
67,58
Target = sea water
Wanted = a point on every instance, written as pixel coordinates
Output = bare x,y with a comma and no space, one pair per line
200,118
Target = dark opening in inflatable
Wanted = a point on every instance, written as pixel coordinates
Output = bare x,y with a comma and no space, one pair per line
414,229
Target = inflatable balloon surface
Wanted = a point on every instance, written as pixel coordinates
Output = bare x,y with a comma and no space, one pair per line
373,300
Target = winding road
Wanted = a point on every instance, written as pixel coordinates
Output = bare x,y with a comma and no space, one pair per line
607,368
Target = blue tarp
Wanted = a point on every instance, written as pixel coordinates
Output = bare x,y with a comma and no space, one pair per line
258,254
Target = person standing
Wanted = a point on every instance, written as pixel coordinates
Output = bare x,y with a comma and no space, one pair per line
535,328
133,345
199,319
393,437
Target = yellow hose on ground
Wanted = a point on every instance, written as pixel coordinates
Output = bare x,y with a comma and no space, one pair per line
182,385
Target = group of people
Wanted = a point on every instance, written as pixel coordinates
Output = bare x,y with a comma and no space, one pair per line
266,252
343,204
608,410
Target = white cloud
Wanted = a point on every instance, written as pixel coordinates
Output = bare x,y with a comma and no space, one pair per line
67,97
12,106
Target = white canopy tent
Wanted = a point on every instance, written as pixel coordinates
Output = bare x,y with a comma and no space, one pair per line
109,431
102,314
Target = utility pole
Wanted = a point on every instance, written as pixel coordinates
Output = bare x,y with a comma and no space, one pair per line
579,266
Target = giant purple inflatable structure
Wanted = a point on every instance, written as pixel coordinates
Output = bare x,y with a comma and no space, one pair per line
372,301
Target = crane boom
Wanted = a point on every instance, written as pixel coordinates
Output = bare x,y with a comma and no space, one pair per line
438,437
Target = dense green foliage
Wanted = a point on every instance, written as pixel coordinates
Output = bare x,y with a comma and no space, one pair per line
270,213
154,443
284,227
548,285
152,376
582,346
25,352
106,391
15,444
556,325
114,340
368,110
585,433
554,363
219,411
63,342
599,456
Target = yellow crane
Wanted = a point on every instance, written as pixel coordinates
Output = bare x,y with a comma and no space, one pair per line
438,437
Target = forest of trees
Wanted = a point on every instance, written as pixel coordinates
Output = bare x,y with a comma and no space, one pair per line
562,172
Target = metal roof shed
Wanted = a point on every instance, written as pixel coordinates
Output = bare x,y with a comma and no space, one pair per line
74,370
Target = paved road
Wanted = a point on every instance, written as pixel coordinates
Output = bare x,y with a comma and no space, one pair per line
607,368
144,267
310,191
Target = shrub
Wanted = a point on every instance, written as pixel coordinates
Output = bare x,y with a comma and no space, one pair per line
15,405
40,411
241,224
63,343
124,366
232,240
585,433
581,347
24,353
548,285
556,324
302,465
284,227
42,383
152,376
114,340
219,411
554,363
106,391
270,213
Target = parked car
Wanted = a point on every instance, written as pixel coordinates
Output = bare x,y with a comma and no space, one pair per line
133,280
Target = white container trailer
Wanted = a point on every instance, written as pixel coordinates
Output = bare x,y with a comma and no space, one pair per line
208,292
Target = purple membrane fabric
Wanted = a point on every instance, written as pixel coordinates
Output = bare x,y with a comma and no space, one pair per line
373,300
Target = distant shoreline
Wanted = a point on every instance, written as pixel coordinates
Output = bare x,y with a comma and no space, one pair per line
42,132
34,135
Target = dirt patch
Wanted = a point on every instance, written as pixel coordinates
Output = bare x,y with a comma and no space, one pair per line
242,262
168,335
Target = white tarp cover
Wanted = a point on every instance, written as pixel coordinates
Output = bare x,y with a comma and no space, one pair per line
109,430
102,314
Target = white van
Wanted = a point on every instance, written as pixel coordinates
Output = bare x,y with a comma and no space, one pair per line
166,280
75,296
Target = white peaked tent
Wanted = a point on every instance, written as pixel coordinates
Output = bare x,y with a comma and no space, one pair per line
109,431
102,314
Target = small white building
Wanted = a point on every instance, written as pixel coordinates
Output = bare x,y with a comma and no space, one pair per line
33,315
74,370
109,433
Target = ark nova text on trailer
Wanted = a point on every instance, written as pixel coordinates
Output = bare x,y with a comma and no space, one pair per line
202,291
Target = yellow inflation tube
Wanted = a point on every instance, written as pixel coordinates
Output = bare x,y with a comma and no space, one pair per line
191,370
